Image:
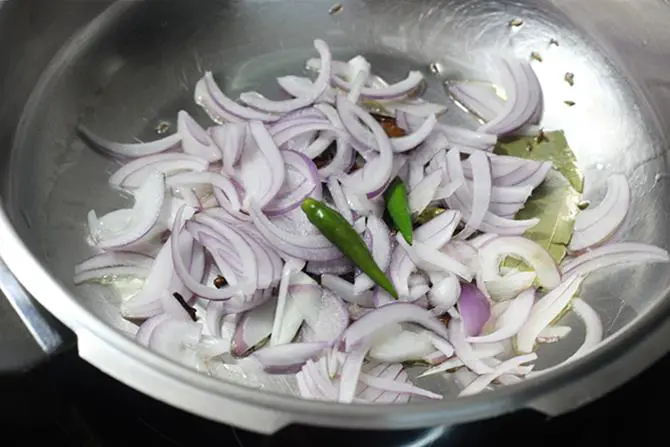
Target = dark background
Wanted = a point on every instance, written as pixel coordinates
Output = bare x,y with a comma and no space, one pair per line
68,402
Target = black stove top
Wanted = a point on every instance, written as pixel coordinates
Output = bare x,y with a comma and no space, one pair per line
68,402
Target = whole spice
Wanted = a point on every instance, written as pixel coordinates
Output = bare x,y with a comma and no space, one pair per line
541,137
390,126
584,204
162,128
335,9
397,205
189,310
341,234
570,78
219,282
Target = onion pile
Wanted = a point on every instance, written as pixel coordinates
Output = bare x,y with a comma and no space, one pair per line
233,272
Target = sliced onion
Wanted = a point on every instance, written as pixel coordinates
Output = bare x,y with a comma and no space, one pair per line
479,241
481,193
230,140
331,319
395,91
148,327
524,97
335,189
310,248
253,328
340,266
389,314
259,102
191,283
320,144
464,253
290,195
461,200
409,142
424,192
272,157
438,231
514,171
146,304
614,254
215,321
307,293
359,74
306,116
380,246
224,185
176,340
299,86
289,268
318,373
377,172
493,252
480,351
545,311
440,344
397,386
356,311
383,371
401,347
145,214
114,259
250,254
478,98
134,174
464,350
289,358
131,150
593,336
511,321
345,290
510,286
195,140
429,258
243,303
474,308
444,294
595,225
351,370
417,293
400,270
479,384
593,324
465,138
343,160
381,298
220,107
305,129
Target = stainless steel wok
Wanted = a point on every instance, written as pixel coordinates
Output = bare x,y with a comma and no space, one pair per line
124,67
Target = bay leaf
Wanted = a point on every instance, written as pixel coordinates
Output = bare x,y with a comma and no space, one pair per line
547,146
555,203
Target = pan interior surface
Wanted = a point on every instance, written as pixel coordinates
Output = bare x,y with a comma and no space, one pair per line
132,74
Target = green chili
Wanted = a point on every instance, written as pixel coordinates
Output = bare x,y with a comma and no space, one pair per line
338,231
397,206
